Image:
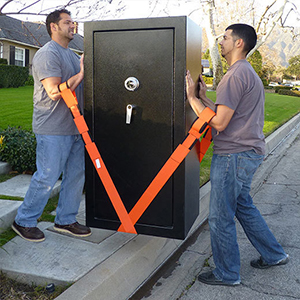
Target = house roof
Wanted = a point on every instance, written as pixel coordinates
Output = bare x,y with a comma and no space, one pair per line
30,33
205,63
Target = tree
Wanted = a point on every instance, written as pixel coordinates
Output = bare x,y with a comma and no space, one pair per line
214,16
267,71
294,67
81,9
256,62
213,43
215,9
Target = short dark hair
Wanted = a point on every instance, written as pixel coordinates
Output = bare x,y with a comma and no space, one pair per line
246,33
55,17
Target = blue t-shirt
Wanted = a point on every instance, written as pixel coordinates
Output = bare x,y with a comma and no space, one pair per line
242,90
54,117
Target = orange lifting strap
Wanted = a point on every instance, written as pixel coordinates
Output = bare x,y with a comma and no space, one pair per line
199,128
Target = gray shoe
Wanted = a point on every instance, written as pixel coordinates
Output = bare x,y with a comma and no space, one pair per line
32,234
210,278
260,264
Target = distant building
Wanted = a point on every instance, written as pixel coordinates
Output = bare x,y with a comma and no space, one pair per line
19,41
206,70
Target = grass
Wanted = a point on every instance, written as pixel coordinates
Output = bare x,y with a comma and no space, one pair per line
11,289
6,236
5,177
49,208
278,110
16,107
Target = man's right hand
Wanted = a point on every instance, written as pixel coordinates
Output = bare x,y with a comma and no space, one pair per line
202,88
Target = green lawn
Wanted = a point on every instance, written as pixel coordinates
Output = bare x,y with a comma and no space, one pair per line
278,110
16,110
16,107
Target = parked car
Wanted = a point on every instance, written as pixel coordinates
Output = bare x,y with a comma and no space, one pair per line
288,84
273,84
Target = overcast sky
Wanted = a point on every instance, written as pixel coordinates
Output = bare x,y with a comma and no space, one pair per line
136,9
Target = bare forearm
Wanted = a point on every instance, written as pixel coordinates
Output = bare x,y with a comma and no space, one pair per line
196,105
75,80
209,103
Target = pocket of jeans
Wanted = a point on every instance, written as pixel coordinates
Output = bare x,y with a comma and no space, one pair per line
246,167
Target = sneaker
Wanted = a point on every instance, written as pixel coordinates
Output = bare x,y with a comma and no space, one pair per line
209,278
74,229
260,264
32,234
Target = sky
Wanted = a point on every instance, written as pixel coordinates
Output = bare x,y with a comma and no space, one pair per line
137,9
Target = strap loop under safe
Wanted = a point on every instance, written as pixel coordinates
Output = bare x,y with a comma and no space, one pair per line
199,128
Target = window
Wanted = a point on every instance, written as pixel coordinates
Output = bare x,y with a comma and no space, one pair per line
20,57
1,50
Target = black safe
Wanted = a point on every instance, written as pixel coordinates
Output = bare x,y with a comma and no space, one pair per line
137,115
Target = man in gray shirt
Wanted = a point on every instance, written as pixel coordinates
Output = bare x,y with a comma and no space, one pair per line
239,149
60,149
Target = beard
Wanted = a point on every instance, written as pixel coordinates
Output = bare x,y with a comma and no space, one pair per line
69,35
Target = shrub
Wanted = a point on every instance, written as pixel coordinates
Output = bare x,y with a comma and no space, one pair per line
13,76
277,88
30,80
17,147
289,92
208,80
3,61
264,81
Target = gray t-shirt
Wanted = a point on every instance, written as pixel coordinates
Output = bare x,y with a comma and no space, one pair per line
53,117
241,90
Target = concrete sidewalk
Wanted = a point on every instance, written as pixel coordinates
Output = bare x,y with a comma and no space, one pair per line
113,265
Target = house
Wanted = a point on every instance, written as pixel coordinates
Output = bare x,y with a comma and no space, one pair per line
206,70
20,40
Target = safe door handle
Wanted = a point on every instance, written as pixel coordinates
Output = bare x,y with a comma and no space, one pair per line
129,109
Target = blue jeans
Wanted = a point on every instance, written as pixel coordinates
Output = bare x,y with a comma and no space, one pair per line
55,154
231,177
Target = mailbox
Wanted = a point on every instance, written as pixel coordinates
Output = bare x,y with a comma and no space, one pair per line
137,114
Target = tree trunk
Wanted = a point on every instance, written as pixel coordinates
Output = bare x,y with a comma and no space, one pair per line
213,45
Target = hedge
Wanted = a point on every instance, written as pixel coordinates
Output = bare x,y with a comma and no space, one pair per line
3,61
17,147
289,92
30,80
208,80
277,88
13,76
